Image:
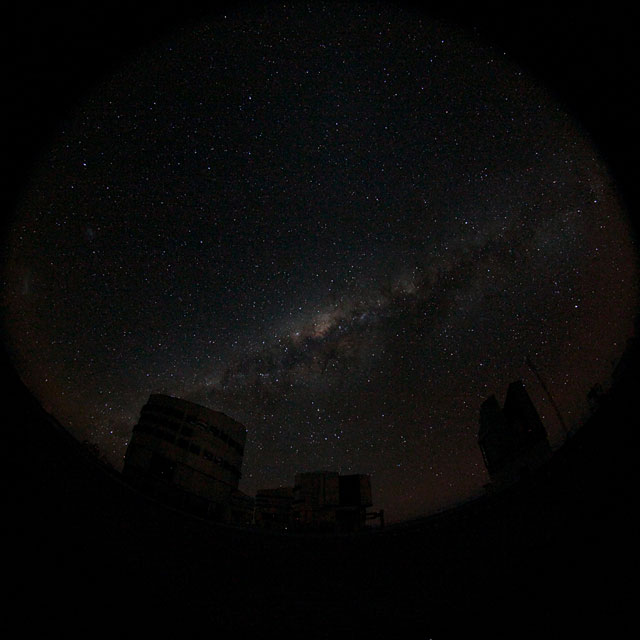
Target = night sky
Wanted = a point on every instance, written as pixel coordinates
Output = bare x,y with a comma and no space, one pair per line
343,225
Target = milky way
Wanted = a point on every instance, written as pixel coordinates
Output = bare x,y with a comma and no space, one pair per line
343,225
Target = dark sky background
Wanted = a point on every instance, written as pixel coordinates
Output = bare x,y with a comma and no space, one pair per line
343,225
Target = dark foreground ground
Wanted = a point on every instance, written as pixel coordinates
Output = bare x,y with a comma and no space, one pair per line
556,553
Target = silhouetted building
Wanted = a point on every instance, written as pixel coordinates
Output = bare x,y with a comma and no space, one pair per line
273,508
329,501
189,456
316,499
512,439
319,501
241,508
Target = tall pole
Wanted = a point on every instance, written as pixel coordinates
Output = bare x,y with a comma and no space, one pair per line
546,390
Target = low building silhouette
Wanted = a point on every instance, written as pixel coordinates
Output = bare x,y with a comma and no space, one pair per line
316,500
512,439
319,501
315,510
273,508
190,457
241,508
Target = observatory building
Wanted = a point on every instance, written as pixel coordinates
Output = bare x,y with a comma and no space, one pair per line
188,456
330,501
512,439
273,509
319,501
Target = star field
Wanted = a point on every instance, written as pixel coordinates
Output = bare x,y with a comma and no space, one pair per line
343,225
